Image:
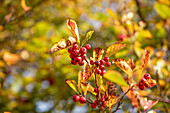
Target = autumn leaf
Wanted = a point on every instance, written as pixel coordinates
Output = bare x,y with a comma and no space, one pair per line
24,6
85,87
147,104
70,41
58,45
111,13
123,65
114,48
80,78
97,54
145,60
88,36
72,84
91,90
89,73
11,58
151,82
131,63
72,26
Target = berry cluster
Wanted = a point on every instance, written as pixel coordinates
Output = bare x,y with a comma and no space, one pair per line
81,99
99,101
143,82
101,70
78,55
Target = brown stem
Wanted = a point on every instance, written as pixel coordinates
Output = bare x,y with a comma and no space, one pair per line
121,99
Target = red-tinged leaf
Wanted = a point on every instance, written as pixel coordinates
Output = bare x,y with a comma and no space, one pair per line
72,26
151,82
97,53
131,63
147,104
145,60
80,79
70,41
123,65
88,36
90,72
133,95
91,89
116,77
85,87
114,48
58,45
72,84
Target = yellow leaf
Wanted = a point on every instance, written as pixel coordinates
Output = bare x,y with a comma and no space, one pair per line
111,13
85,87
88,36
97,54
114,48
145,60
72,26
72,84
131,63
123,65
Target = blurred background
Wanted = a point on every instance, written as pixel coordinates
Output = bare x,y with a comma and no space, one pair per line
32,80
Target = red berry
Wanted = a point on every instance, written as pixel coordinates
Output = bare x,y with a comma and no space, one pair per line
102,62
83,50
75,52
106,58
104,104
147,76
95,89
73,62
98,71
76,98
102,67
82,100
142,87
103,72
92,62
97,63
70,49
143,81
108,64
81,63
75,46
105,97
78,59
71,56
87,46
96,102
93,105
83,57
101,99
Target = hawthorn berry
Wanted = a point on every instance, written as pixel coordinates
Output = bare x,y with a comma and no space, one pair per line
101,99
82,99
95,89
87,46
70,49
102,62
93,105
97,63
75,46
92,62
147,76
108,64
81,63
106,58
76,98
83,50
78,59
104,104
105,97
71,56
103,72
142,87
83,57
73,62
143,80
75,52
98,71
102,67
96,102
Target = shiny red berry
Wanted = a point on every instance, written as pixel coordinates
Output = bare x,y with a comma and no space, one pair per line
75,46
104,104
81,63
102,67
103,72
71,56
78,59
95,89
70,49
75,52
73,62
82,100
143,80
93,105
142,87
106,58
76,98
83,50
105,97
98,71
108,64
101,99
102,62
147,76
97,63
92,62
96,102
83,57
87,46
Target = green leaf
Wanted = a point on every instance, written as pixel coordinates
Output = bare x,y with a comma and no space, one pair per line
115,77
72,84
162,10
88,36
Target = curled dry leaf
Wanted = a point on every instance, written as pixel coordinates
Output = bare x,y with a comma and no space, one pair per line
114,48
123,65
97,53
72,26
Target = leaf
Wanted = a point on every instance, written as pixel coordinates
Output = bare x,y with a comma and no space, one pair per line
97,54
162,10
24,6
151,82
72,26
89,73
11,58
72,84
91,89
115,77
58,45
144,34
85,87
88,36
114,48
111,13
131,63
80,78
123,65
70,41
147,104
145,60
